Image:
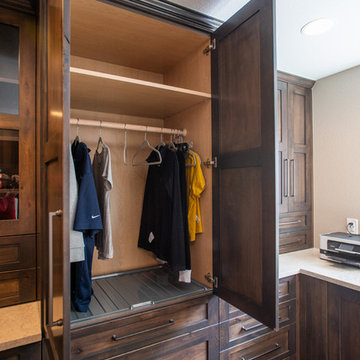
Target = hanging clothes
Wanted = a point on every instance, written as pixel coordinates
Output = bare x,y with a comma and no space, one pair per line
88,221
76,237
103,183
162,223
196,185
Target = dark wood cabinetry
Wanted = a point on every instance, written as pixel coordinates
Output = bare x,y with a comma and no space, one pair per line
295,162
27,352
243,337
329,321
17,158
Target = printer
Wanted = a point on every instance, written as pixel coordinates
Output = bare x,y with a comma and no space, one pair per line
340,247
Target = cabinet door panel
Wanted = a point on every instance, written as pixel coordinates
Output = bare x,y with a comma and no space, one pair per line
282,117
244,138
17,135
54,114
300,148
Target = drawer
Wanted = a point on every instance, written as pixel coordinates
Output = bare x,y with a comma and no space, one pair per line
199,345
292,241
27,352
287,289
275,345
289,222
17,287
245,328
126,333
17,252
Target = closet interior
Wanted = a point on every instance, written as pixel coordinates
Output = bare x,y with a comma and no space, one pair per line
127,68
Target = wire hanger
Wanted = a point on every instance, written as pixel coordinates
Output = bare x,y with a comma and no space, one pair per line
77,139
172,146
144,144
125,145
100,141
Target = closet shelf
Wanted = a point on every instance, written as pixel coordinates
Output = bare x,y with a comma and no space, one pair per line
97,91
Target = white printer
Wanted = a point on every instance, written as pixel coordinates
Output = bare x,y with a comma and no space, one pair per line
340,247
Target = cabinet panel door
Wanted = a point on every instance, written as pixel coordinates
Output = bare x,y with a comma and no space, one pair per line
54,113
17,123
300,153
244,140
343,323
282,123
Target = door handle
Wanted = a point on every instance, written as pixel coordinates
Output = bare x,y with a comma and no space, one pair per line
59,322
286,178
276,347
292,176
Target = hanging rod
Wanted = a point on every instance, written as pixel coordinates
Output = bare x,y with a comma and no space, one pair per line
132,127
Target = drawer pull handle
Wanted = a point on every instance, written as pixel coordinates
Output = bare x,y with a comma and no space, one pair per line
290,222
171,322
250,327
276,347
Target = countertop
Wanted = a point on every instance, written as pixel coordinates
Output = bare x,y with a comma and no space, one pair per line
308,262
19,325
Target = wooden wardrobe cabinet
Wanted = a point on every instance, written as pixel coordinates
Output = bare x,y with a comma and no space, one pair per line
295,162
17,158
217,82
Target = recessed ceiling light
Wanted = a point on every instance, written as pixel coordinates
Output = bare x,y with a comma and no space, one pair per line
317,27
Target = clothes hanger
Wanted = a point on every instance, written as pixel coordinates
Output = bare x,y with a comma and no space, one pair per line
172,146
77,139
193,164
100,141
125,145
162,143
144,144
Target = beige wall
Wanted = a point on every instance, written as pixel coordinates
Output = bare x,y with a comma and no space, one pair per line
336,116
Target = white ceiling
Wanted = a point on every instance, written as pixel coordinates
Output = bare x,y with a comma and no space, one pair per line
311,57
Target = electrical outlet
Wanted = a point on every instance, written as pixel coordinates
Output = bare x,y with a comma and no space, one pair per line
352,226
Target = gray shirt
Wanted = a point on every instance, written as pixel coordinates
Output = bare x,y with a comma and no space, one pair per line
103,184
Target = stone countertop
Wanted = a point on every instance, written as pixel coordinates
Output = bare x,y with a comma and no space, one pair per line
308,262
19,325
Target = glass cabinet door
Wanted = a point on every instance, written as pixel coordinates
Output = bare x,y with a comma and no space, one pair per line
9,69
17,123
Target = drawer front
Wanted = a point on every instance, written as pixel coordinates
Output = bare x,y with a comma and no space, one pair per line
293,241
27,352
17,287
17,252
276,345
287,313
290,222
199,345
126,333
287,289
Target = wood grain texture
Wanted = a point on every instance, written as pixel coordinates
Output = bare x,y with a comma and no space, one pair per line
129,96
25,123
343,323
27,352
145,43
17,252
244,128
313,318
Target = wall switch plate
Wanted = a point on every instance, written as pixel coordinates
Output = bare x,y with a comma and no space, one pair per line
352,226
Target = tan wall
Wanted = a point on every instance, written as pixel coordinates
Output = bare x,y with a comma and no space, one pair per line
336,116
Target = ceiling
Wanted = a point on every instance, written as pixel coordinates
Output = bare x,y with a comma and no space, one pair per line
311,57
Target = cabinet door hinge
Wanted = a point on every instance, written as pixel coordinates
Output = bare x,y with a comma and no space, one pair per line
212,280
213,163
211,47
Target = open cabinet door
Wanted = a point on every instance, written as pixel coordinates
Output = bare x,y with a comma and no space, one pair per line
54,108
245,206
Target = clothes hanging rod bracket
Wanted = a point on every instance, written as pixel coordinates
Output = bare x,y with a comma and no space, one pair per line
130,127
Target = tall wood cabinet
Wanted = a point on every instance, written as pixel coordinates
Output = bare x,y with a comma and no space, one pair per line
17,158
230,116
295,162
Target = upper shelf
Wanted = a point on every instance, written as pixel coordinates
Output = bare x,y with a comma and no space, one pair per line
98,91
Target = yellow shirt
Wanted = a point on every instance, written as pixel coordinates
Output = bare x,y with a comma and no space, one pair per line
195,186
